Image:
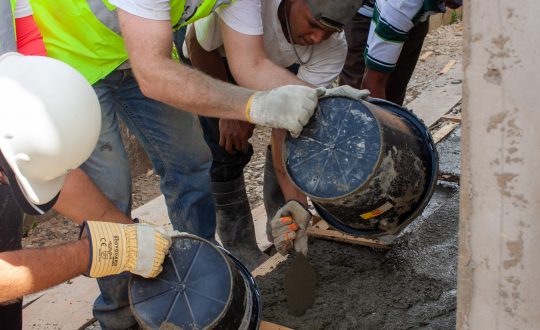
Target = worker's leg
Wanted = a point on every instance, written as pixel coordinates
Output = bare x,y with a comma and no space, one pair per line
234,220
108,167
398,80
356,33
11,218
173,140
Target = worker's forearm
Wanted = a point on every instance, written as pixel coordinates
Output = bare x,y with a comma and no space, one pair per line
149,45
290,192
264,75
32,270
80,199
375,82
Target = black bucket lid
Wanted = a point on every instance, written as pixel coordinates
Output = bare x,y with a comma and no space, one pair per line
195,290
340,149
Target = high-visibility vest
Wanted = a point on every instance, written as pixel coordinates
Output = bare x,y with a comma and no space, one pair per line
8,39
86,35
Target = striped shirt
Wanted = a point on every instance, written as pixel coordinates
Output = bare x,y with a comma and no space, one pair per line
390,25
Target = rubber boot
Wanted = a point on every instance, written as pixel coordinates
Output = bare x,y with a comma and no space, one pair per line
272,196
235,222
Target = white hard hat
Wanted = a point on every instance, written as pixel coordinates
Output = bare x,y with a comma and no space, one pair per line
50,121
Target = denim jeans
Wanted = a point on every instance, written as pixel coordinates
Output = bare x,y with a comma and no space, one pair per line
173,140
11,221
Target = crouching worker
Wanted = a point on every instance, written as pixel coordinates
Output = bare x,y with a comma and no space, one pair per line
50,122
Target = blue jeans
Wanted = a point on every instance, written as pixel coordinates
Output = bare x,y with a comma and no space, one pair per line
173,141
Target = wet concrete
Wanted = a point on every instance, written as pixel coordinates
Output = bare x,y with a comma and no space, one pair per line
411,286
449,154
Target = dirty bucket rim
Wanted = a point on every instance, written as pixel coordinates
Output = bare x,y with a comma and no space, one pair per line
424,131
229,259
256,292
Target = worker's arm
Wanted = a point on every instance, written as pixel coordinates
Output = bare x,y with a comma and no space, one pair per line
249,63
80,199
149,45
29,39
386,37
104,249
234,134
32,270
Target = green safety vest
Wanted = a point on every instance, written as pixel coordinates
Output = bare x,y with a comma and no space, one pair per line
86,35
8,38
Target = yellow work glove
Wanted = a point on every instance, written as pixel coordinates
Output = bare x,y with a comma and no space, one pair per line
289,228
116,248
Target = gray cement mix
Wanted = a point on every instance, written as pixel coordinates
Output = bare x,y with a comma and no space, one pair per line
449,153
411,286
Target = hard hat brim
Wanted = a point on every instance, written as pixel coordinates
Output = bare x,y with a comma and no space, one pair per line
18,189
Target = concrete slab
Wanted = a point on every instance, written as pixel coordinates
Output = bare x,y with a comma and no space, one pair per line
439,97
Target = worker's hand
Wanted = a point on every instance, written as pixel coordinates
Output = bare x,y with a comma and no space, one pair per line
288,107
346,91
289,228
234,135
116,248
375,82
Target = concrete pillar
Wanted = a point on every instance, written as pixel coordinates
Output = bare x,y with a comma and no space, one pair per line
499,265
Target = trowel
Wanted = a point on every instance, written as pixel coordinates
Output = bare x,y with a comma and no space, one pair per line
300,283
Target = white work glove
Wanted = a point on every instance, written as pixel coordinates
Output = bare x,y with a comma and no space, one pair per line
289,228
116,248
346,91
288,107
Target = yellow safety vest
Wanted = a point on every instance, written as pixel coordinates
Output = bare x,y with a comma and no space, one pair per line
86,35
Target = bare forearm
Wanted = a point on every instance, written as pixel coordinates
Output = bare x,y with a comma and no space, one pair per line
28,271
80,199
375,82
149,44
264,75
290,192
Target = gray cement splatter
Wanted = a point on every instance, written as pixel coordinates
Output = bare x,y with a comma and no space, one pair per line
411,286
449,153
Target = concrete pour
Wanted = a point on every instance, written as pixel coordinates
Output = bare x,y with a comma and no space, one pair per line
411,286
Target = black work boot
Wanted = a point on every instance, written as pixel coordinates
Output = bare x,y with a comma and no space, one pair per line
272,196
235,222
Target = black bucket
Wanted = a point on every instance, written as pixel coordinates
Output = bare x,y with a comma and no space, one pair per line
369,167
202,286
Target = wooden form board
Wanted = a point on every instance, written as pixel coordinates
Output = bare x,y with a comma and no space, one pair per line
439,97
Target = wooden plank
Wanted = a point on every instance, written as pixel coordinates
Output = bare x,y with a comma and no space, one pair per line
425,56
269,265
447,67
272,326
454,118
442,132
439,97
346,238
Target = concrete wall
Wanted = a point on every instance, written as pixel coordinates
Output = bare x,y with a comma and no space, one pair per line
499,266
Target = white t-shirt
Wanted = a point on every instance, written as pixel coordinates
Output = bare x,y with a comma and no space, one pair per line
150,9
22,9
255,17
